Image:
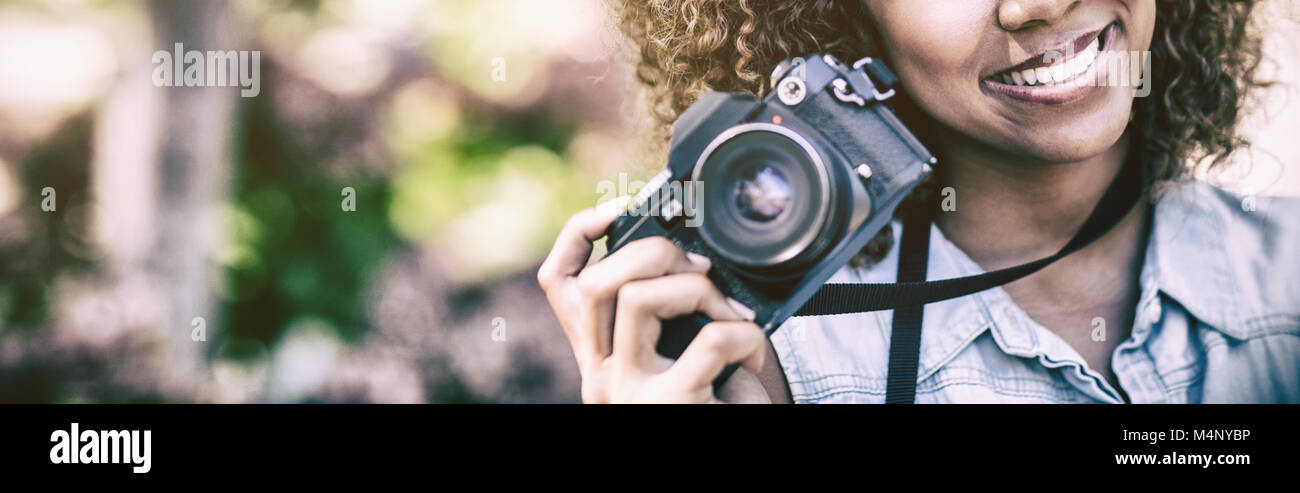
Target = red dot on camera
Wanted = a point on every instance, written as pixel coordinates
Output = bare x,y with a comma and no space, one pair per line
776,119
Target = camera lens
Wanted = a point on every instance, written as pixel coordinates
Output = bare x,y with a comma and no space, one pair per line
768,203
762,193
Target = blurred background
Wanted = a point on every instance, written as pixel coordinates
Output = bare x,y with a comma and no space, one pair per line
162,244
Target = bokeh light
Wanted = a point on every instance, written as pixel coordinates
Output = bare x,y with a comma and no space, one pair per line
466,132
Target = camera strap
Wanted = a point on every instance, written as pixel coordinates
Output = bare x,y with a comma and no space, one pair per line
905,335
910,294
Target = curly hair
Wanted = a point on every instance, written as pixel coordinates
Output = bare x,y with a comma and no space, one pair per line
1204,56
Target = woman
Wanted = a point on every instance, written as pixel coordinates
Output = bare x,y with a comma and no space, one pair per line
1192,297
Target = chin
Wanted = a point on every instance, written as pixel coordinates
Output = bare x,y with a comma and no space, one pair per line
1073,139
1061,149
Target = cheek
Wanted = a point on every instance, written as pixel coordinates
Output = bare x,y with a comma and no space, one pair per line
935,51
1144,23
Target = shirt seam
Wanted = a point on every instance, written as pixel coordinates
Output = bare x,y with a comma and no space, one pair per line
856,389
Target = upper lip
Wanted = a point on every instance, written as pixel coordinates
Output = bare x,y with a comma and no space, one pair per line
1065,48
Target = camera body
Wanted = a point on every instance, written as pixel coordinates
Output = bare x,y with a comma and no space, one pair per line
781,192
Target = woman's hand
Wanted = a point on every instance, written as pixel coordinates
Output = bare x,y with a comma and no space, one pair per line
612,311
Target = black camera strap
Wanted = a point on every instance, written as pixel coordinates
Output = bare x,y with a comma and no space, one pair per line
905,336
910,294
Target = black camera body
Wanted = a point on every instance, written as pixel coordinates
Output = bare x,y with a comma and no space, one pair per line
782,192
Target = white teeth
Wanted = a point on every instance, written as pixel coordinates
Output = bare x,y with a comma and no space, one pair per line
1044,75
1091,51
1058,73
1075,67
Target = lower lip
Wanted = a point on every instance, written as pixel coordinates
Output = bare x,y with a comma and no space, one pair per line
1064,93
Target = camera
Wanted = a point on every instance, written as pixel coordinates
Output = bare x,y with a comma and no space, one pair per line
779,192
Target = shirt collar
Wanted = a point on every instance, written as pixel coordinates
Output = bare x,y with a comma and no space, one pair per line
1187,256
952,325
1185,261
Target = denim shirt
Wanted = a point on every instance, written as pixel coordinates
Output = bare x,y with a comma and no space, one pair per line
1218,320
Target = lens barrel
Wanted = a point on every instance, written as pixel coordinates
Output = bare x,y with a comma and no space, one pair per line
770,203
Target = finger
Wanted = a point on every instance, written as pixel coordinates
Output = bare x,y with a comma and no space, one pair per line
718,345
599,283
743,387
641,259
643,304
573,244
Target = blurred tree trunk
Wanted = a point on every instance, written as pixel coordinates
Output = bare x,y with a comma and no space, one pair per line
193,168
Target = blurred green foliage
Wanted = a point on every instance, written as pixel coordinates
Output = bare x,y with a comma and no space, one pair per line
447,163
465,177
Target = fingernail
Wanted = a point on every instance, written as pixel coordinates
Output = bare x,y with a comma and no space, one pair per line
701,261
742,310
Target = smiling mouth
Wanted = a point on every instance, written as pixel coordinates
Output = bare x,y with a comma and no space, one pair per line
1059,66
